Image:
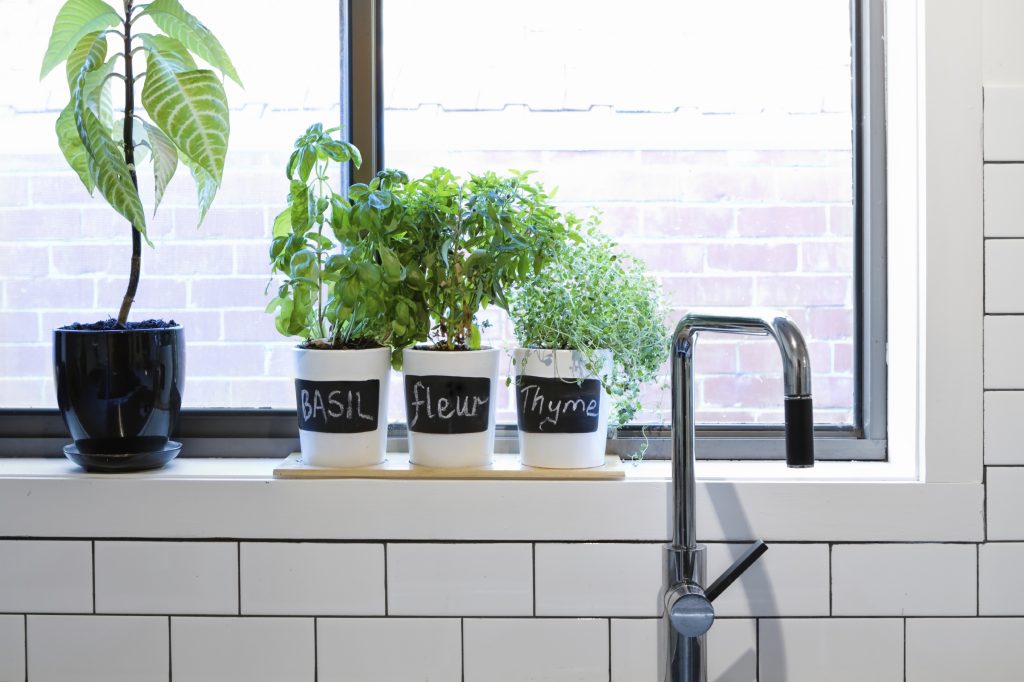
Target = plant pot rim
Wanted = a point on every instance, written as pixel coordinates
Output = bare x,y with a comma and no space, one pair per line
300,349
482,349
177,327
539,349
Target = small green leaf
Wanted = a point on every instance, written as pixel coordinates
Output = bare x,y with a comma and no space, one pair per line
71,146
283,223
170,16
206,186
75,20
300,200
474,337
165,159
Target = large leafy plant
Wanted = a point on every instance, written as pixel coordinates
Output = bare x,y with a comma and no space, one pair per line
590,299
363,288
479,238
186,108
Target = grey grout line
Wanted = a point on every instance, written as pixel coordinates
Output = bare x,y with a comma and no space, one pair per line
316,651
609,650
904,650
533,566
238,559
387,595
977,580
757,648
462,648
26,645
93,543
831,597
170,652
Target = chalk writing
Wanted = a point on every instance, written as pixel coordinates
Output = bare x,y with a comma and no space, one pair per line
447,404
550,405
337,406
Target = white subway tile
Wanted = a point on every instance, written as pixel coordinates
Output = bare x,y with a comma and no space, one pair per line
788,580
167,577
1004,109
12,648
958,649
1004,363
1003,442
389,649
42,576
1004,503
1004,280
904,580
731,650
1001,590
460,580
97,649
242,649
540,650
609,579
1004,202
836,650
309,578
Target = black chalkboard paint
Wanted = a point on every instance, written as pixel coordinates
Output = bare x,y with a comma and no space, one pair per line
337,406
447,404
550,405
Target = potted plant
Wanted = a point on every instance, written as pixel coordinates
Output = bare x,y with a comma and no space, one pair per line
356,301
119,383
591,330
479,238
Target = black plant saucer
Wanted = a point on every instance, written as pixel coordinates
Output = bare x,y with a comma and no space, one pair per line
136,461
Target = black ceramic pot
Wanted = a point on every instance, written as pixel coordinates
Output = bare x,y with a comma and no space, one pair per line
119,392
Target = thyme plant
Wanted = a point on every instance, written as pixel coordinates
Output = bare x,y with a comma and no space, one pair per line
479,238
590,299
186,105
364,288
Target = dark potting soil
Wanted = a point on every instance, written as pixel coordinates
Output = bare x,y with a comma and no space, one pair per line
110,324
324,344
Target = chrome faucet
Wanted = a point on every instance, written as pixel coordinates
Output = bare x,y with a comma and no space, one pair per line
688,613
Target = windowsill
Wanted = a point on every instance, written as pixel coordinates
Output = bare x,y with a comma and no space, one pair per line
240,498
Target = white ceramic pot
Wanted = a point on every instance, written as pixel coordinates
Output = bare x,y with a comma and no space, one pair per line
449,406
342,401
563,424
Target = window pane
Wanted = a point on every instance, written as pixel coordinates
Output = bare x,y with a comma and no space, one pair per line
715,138
64,256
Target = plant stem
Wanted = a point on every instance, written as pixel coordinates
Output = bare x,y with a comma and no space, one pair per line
129,159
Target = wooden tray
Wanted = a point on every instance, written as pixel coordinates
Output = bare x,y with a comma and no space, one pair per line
504,467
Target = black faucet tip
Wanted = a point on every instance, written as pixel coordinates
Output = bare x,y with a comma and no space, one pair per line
799,431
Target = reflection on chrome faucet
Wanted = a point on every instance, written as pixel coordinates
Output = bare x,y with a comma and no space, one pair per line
688,613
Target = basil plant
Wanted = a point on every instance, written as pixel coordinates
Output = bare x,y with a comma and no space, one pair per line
183,115
350,264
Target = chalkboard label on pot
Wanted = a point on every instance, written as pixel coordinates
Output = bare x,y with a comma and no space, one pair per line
337,406
551,405
447,404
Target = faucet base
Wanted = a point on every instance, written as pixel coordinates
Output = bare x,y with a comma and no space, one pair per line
682,658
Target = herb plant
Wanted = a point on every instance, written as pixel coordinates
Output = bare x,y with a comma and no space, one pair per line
479,238
362,289
590,299
186,105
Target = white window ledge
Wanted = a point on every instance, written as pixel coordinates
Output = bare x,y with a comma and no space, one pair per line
239,498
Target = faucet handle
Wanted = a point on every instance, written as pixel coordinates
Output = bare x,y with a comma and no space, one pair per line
745,561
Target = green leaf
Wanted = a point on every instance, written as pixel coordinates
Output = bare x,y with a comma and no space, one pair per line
108,169
75,20
206,186
170,50
165,159
191,108
170,16
300,198
474,337
92,47
72,148
283,223
96,87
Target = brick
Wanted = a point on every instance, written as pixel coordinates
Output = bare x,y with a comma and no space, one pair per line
827,257
675,220
743,390
23,393
726,185
19,260
840,220
20,328
203,392
228,293
38,224
27,361
14,190
762,356
706,416
185,260
102,223
275,392
782,221
791,290
673,157
831,323
50,293
252,258
842,357
713,358
90,259
694,292
666,257
153,292
200,325
234,360
737,257
63,188
813,185
224,222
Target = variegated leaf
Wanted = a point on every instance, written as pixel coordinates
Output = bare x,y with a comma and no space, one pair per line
72,148
76,19
191,108
170,16
206,186
165,159
176,55
108,169
92,46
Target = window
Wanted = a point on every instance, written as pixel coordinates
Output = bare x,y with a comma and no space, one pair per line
724,153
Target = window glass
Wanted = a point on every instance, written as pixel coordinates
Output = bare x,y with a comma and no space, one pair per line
64,256
714,137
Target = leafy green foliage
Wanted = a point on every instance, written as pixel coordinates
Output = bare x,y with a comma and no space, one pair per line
186,105
362,288
590,299
479,238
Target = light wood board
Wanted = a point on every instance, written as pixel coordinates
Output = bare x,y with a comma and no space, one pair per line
397,465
